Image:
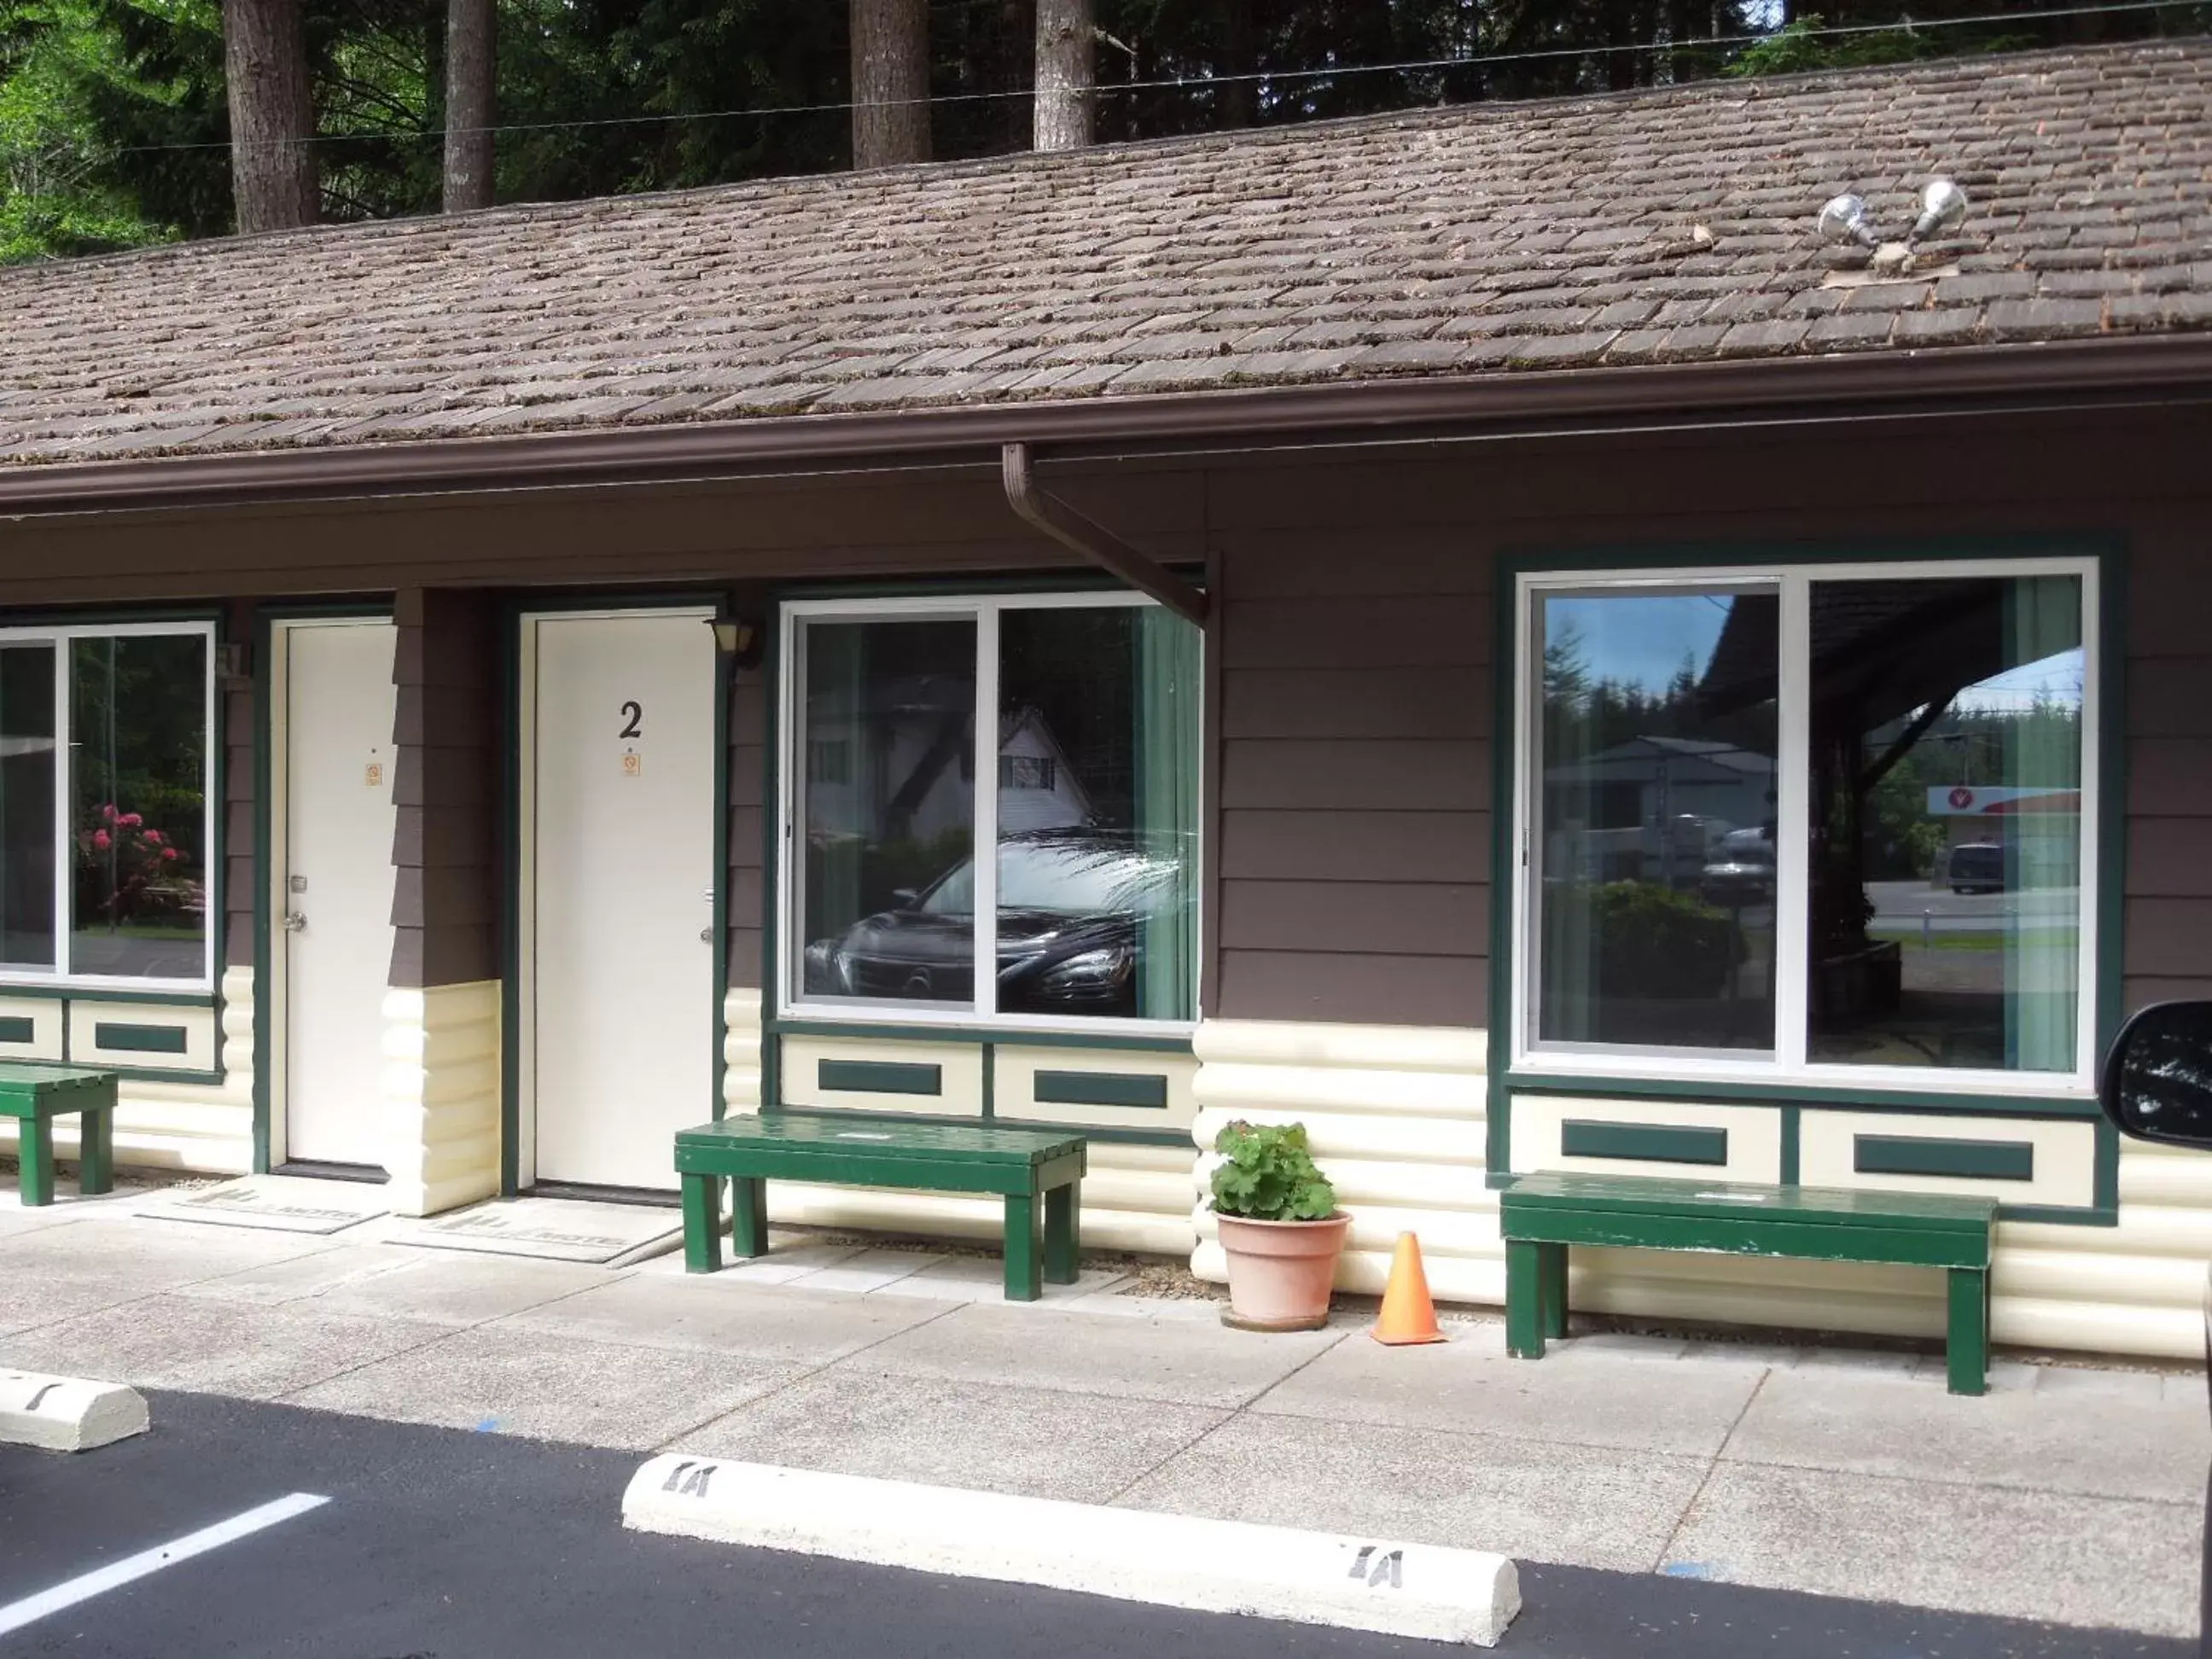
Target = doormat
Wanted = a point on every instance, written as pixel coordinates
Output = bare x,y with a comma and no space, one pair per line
284,1204
554,1228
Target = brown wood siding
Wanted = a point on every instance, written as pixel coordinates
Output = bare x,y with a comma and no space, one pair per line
748,850
2167,927
447,837
240,707
1355,777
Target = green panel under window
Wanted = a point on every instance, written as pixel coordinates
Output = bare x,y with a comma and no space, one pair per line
878,1077
139,1039
1101,1088
1927,1155
1653,1142
18,1028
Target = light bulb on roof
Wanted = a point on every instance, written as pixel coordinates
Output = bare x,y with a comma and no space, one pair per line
1943,209
1844,220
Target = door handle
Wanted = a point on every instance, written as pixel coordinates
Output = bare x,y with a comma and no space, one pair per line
294,922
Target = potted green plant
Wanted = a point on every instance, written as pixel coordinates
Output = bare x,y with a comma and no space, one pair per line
1280,1228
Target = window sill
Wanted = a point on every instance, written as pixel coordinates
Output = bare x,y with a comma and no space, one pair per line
2068,1100
1163,1037
180,993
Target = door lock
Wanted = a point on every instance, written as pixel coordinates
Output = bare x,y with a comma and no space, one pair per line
294,922
706,936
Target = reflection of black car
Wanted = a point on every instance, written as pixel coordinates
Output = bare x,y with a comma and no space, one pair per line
1069,903
1977,867
1744,872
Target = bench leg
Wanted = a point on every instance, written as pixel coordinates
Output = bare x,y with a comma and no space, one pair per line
749,1215
702,1223
1024,1275
1551,1272
1524,1299
1967,1345
1061,1206
34,1147
95,1170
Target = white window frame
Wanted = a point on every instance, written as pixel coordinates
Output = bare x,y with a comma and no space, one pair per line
984,609
1789,1065
60,637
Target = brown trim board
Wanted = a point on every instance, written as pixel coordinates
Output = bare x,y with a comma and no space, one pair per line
2157,367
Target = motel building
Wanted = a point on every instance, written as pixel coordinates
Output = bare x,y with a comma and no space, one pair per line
1483,631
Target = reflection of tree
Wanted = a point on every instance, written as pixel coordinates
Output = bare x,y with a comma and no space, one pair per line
2166,1074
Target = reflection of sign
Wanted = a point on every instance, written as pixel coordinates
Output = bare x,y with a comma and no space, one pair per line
2000,800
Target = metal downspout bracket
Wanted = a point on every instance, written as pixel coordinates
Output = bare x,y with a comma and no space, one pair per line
1093,541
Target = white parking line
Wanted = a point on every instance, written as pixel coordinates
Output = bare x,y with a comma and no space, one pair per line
85,1586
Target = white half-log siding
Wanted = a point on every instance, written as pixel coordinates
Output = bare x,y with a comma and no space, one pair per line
159,1124
440,1092
1396,1118
1135,1198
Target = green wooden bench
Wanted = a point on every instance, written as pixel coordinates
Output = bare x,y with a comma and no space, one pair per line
1035,1170
1542,1215
34,1096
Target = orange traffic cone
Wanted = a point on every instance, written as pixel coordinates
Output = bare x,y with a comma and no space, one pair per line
1407,1316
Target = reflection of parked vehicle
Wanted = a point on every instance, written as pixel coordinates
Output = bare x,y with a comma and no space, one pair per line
1070,902
1977,867
1744,872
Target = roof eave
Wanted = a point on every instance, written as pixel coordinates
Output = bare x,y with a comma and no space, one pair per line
2133,369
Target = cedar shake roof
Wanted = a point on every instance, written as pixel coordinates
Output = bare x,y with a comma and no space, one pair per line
1485,239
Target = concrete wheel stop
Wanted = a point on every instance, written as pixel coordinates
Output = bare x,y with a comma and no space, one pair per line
66,1413
1422,1590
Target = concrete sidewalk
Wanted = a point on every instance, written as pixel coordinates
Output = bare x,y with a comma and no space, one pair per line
2065,1494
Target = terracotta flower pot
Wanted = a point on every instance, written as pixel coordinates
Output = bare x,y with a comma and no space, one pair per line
1281,1272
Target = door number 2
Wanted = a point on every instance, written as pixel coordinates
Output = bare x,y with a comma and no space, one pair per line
633,721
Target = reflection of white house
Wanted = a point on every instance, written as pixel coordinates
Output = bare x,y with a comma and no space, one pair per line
904,772
1651,808
1037,788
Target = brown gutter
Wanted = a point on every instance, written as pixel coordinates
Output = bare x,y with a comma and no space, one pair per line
1749,392
1092,540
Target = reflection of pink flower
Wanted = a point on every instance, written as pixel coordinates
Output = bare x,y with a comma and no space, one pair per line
101,840
153,836
168,854
131,820
108,812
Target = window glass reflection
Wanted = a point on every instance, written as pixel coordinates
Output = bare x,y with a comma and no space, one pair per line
26,806
1098,808
1655,912
1945,904
887,908
138,806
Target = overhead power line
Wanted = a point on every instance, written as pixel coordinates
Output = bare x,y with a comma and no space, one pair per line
1904,25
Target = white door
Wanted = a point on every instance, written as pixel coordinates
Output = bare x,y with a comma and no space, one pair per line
333,885
621,953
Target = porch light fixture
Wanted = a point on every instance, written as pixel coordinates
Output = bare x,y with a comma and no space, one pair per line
233,663
736,639
1943,209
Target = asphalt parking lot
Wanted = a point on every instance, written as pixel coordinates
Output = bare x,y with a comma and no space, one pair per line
438,1543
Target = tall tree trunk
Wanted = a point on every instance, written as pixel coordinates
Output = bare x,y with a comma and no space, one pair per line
890,81
1018,33
1065,74
272,117
1240,56
471,37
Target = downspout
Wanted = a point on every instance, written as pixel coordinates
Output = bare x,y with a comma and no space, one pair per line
1093,541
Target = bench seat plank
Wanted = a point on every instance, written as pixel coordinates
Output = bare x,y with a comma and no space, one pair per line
1841,1207
1542,1215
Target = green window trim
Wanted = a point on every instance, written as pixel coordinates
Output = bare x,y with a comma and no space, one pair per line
1647,1143
1929,1155
118,1037
878,1077
1147,1091
2108,576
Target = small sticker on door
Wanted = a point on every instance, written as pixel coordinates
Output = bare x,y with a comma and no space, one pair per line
633,763
372,774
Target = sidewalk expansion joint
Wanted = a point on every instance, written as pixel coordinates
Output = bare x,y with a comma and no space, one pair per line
1713,1463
